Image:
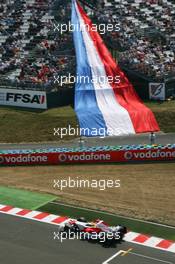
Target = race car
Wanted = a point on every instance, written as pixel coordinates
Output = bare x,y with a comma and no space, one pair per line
98,231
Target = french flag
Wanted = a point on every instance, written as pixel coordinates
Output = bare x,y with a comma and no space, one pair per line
104,107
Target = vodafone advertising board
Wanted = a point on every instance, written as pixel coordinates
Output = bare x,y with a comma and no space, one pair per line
23,98
87,157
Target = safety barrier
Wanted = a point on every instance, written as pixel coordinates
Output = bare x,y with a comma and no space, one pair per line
104,154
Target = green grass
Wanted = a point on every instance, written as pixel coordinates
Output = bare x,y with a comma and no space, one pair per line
29,126
161,106
23,199
165,114
134,225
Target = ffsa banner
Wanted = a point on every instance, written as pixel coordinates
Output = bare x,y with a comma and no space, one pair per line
23,98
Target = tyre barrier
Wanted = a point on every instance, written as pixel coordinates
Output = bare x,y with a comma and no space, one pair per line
104,154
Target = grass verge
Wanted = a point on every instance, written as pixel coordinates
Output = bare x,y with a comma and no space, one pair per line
23,199
134,225
30,126
147,190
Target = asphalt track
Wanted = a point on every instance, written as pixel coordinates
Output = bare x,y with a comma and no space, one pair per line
29,242
161,138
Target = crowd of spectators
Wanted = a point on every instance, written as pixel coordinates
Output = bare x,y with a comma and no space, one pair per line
31,51
147,34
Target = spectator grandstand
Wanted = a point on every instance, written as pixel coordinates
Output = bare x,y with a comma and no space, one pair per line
31,52
146,40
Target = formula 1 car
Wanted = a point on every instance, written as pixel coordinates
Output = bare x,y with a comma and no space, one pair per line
98,231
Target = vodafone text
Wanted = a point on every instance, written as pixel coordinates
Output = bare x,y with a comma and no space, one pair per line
151,154
84,157
24,159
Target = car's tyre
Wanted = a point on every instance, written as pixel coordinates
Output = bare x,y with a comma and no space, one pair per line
66,229
70,230
74,228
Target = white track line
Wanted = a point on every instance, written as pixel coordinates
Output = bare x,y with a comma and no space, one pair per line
114,256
